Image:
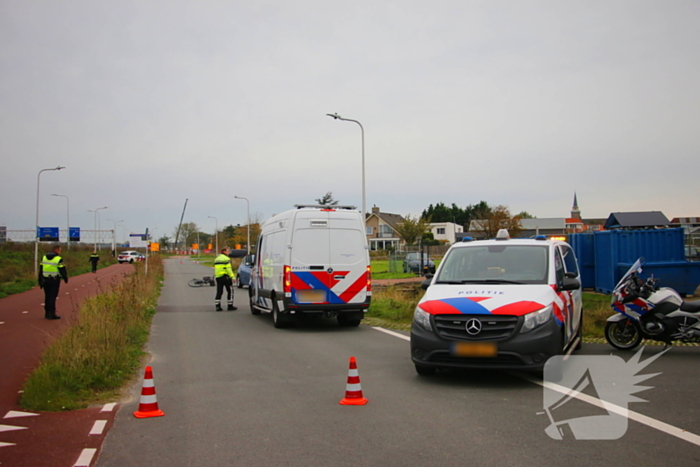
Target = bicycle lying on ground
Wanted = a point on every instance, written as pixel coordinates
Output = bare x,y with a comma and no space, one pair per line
202,282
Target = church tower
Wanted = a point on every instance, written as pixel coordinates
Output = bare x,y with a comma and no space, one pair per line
575,211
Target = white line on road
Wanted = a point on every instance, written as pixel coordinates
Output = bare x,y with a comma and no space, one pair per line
392,333
4,428
85,458
15,414
108,407
98,427
637,417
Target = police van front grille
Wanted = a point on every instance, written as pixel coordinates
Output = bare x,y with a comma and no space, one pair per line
493,327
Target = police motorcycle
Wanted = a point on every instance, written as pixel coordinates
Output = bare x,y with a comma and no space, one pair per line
645,311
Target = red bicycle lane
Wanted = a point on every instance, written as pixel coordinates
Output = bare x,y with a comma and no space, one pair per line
71,438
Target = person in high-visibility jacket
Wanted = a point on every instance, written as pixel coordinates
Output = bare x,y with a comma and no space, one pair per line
224,278
51,271
94,259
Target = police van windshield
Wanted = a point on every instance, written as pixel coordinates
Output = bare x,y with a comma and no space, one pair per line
508,264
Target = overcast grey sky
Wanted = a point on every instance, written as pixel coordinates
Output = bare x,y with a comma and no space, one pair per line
518,103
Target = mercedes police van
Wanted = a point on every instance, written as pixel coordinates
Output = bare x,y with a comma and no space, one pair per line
502,303
313,259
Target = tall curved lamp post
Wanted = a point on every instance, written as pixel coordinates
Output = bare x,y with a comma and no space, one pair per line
36,233
248,211
364,205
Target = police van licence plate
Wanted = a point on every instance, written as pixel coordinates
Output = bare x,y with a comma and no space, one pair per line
474,349
311,296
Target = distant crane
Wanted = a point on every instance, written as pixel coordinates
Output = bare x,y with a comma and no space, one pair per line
177,235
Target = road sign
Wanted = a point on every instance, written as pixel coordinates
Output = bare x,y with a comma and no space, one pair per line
74,234
48,234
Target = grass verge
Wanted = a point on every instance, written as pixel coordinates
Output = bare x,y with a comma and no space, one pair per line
102,351
17,260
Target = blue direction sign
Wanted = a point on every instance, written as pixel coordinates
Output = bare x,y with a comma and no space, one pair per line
48,234
74,234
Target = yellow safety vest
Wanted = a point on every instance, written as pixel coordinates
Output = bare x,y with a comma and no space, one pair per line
50,266
222,266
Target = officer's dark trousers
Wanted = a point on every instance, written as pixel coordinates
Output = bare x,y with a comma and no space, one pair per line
51,286
222,282
94,266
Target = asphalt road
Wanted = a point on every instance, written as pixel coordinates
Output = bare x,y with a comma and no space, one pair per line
237,391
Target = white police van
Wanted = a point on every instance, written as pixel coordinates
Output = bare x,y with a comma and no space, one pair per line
313,259
503,303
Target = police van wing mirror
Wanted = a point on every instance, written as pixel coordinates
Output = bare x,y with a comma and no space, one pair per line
426,282
571,283
570,274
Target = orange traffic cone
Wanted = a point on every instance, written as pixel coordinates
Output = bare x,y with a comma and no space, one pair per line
148,406
353,391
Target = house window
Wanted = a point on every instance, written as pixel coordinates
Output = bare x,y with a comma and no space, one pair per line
385,231
369,230
441,231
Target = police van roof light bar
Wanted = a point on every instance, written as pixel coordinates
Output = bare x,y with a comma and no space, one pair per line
323,206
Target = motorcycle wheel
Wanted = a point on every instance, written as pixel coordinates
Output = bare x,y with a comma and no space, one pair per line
623,335
195,283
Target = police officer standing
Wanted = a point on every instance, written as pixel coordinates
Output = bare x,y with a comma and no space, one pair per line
94,259
51,271
224,278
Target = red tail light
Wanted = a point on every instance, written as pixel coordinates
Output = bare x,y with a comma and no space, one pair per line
369,279
287,279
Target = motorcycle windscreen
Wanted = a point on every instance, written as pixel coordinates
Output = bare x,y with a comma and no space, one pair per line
636,267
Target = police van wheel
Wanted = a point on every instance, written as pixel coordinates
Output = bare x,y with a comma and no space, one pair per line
425,370
348,321
280,321
251,301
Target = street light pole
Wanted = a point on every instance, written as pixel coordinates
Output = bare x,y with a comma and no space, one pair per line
95,211
216,233
67,220
364,205
114,234
36,234
248,221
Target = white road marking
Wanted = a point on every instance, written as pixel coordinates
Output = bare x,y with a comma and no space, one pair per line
108,407
98,427
15,414
2,445
11,428
85,458
2,322
637,417
631,415
392,333
25,312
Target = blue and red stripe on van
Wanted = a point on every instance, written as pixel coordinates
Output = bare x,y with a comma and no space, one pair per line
322,280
